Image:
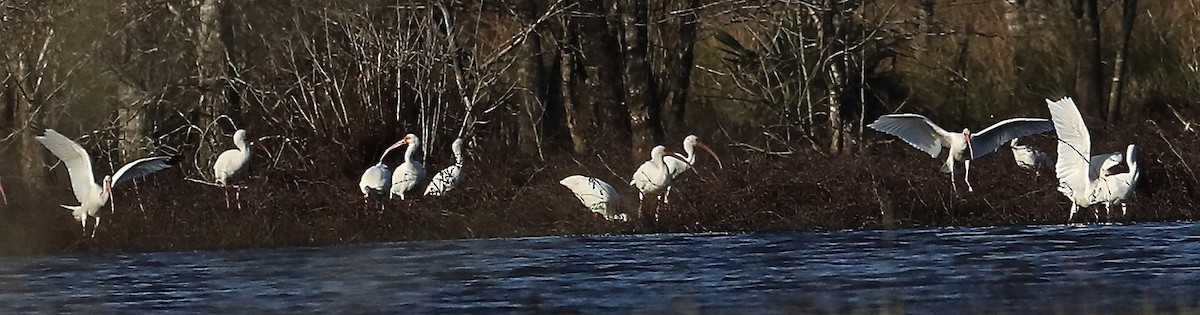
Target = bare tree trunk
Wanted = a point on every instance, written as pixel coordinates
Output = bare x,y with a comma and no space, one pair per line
678,42
644,129
924,27
530,71
18,92
600,62
1088,68
833,31
580,116
1128,15
212,63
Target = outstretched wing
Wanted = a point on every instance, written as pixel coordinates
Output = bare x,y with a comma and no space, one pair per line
79,164
916,130
992,138
1074,146
143,167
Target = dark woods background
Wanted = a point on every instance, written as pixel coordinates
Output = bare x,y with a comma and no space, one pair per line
544,89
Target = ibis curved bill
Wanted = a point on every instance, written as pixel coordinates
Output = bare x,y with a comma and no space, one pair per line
93,196
233,165
377,179
597,195
449,178
409,175
923,134
1079,176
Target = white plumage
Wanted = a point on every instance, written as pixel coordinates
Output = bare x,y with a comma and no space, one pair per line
93,196
377,179
923,134
654,176
596,195
1030,158
233,165
449,178
411,174
1077,171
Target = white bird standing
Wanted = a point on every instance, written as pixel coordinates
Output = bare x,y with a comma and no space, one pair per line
449,178
233,165
923,134
1079,177
377,179
93,196
408,176
689,146
596,195
654,176
1119,187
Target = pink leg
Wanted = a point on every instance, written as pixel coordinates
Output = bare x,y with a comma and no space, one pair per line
226,197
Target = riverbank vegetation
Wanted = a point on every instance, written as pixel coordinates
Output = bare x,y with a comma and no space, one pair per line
543,89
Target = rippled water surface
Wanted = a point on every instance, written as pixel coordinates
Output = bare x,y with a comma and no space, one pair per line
1091,269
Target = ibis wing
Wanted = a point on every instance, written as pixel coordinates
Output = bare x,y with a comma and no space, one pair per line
1074,146
1101,163
992,138
916,130
143,167
79,164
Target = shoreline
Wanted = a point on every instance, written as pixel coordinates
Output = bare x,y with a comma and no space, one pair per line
886,186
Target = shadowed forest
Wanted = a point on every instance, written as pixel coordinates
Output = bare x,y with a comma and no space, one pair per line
544,89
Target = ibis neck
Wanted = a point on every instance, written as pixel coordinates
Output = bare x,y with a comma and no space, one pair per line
690,149
409,152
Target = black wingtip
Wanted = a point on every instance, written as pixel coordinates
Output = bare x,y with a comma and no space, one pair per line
1057,94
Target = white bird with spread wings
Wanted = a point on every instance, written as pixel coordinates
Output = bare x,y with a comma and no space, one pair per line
93,196
923,134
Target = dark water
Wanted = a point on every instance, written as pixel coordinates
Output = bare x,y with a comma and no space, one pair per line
1069,270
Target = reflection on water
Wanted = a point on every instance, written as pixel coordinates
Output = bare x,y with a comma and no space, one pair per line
1008,269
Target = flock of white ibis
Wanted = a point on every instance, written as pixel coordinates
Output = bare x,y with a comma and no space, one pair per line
1085,179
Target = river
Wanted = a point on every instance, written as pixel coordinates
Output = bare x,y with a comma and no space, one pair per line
1010,269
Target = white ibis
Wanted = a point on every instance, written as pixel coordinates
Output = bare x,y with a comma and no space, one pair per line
923,134
1030,158
596,195
233,165
408,176
1035,160
449,178
377,179
93,196
1078,175
1119,187
1101,165
689,146
653,176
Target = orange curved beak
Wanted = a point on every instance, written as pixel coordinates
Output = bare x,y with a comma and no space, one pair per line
672,154
711,153
970,148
